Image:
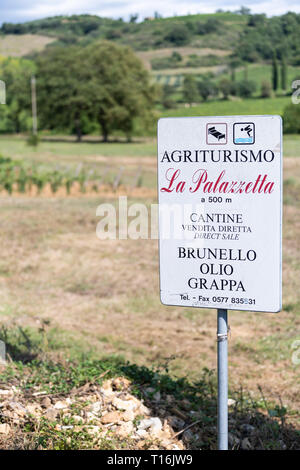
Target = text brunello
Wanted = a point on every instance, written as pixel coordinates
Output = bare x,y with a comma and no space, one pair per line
216,269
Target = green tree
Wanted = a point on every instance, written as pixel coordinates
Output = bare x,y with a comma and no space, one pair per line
103,83
120,86
178,35
274,72
63,94
291,119
226,88
16,73
246,88
166,97
190,90
207,88
234,63
283,73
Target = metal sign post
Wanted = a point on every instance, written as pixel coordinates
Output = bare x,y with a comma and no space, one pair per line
222,339
220,211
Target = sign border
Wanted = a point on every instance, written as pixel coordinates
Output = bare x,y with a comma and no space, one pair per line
280,214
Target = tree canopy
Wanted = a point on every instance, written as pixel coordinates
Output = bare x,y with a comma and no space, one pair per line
102,83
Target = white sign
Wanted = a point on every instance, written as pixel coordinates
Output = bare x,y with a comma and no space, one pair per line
220,210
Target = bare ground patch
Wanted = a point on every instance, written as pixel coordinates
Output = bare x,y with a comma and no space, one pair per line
20,45
54,268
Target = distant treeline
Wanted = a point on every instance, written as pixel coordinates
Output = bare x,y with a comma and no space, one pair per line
252,37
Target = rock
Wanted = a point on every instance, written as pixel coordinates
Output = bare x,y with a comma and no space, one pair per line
51,414
246,444
107,392
5,392
142,433
41,392
156,397
187,436
231,402
111,417
247,429
18,408
34,409
96,407
127,405
144,410
61,405
165,443
46,402
153,425
167,430
4,428
140,444
124,429
175,447
128,415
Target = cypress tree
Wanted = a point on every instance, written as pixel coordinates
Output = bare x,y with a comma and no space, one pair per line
274,72
283,73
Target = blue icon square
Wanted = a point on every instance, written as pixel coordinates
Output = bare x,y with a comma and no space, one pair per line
243,133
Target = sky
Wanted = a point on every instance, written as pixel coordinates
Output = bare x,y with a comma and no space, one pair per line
17,11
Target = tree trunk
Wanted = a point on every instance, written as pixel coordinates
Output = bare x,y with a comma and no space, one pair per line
104,128
78,130
78,134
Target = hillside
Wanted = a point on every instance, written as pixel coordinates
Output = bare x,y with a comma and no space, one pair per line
170,47
219,60
251,37
20,45
219,30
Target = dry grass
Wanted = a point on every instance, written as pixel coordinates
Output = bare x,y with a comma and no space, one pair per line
54,267
20,45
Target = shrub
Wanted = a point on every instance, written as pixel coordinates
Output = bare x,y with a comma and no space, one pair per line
266,89
227,87
207,88
246,88
33,140
178,35
291,119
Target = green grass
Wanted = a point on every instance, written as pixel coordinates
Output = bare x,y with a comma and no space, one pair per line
230,108
71,154
226,16
263,72
69,150
291,145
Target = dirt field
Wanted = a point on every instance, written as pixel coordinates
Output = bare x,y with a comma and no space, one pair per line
18,46
54,268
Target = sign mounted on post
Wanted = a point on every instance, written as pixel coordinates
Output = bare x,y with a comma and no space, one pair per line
220,199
